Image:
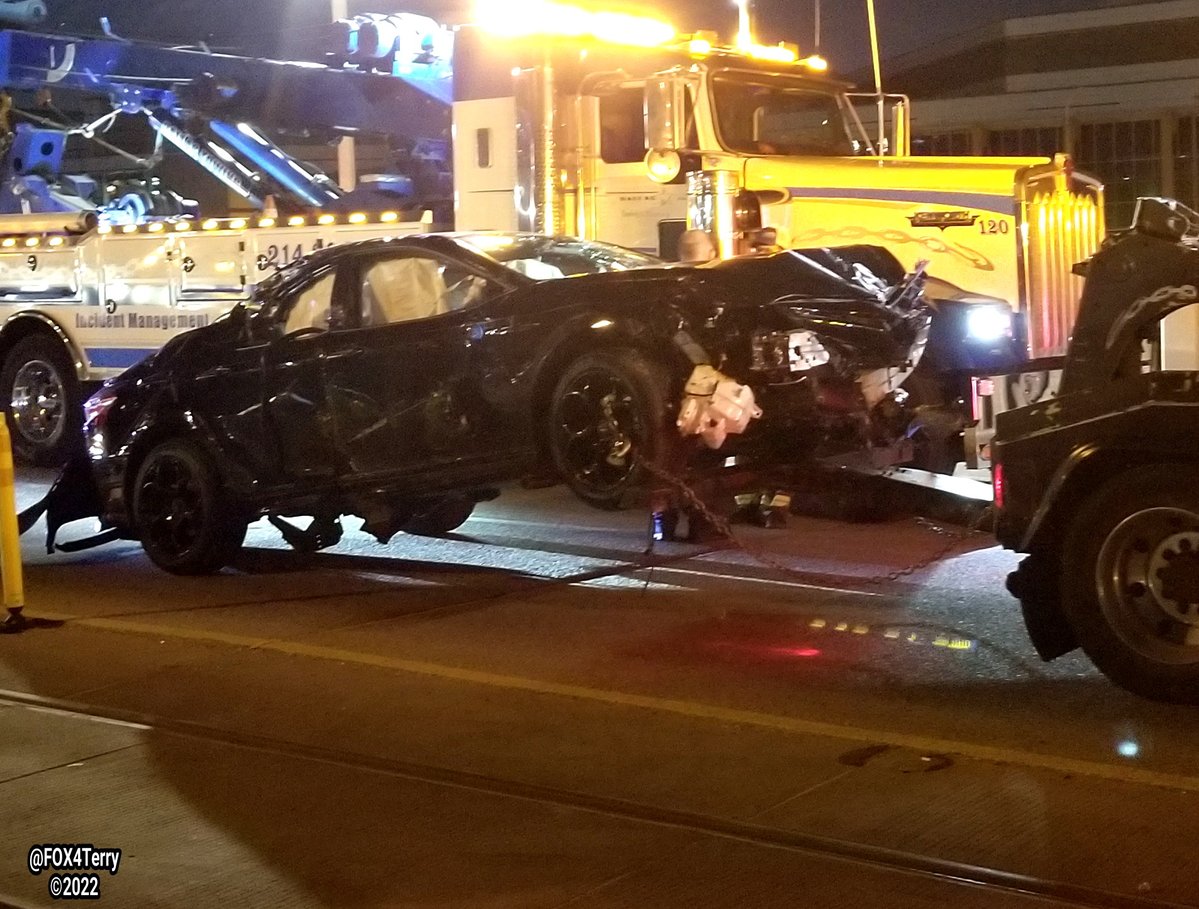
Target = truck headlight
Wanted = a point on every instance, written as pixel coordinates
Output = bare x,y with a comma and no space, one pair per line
989,324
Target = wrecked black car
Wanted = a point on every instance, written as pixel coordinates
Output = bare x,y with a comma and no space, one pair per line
399,379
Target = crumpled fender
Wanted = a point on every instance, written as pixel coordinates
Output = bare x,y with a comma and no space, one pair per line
73,496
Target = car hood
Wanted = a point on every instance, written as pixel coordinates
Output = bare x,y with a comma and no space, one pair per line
857,297
838,278
841,280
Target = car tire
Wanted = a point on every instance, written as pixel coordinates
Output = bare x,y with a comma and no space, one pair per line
608,417
1130,581
43,401
181,512
441,517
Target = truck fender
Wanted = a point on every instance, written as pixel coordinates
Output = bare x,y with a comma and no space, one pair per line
16,320
1086,467
1061,477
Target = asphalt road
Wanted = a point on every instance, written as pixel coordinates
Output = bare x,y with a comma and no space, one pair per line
525,715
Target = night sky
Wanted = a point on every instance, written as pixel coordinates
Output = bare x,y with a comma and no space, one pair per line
292,27
904,25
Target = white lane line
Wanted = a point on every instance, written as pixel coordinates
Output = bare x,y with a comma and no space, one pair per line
558,526
11,698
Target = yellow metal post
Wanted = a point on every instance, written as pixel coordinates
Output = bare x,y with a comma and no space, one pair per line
878,75
10,536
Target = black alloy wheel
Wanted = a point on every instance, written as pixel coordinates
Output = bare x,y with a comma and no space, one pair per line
608,415
1130,581
181,515
43,401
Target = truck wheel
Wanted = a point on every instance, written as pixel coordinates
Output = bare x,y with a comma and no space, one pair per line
1130,581
181,514
42,398
608,413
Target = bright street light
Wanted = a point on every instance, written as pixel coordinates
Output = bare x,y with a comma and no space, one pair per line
745,36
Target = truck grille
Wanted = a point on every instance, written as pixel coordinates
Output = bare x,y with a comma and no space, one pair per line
1061,228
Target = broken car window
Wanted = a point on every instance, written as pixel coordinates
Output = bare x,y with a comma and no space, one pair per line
313,306
415,287
401,290
547,258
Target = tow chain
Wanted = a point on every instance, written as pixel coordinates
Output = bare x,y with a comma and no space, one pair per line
696,505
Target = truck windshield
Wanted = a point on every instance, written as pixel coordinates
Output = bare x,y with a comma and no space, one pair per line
761,114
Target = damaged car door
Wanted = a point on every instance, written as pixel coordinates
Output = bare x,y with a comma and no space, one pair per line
313,327
397,387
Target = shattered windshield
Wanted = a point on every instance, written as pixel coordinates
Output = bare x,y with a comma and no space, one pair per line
547,258
761,114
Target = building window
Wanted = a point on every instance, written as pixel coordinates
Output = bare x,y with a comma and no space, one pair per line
1126,156
1035,142
953,144
1186,161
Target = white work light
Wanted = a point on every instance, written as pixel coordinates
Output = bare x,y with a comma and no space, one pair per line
988,323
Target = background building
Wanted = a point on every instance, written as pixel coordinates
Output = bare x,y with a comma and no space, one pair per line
1116,86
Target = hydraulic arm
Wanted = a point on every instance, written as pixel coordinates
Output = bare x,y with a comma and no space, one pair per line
236,98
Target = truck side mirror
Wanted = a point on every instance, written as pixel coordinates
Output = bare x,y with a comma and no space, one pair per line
665,109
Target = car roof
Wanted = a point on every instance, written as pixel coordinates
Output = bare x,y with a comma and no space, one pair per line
300,268
445,241
448,242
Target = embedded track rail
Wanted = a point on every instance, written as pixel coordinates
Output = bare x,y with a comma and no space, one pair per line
958,874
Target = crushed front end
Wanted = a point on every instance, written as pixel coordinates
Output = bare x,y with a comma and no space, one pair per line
823,338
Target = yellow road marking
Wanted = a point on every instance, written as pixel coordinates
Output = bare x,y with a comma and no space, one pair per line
689,709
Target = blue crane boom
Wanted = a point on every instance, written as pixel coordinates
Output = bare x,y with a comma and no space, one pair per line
237,99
